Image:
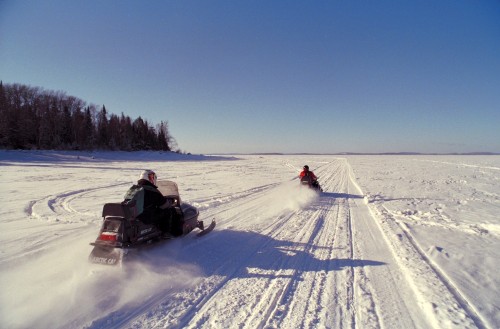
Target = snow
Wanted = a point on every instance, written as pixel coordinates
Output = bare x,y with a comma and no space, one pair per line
393,242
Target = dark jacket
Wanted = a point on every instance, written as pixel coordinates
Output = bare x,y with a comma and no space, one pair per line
153,198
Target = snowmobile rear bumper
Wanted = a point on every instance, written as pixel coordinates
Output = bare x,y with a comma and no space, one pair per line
106,255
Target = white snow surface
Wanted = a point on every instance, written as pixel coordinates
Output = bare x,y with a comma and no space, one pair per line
392,242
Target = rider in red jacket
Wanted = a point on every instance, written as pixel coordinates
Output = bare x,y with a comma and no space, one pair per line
307,172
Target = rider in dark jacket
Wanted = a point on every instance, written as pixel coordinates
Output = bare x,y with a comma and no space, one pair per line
157,209
152,196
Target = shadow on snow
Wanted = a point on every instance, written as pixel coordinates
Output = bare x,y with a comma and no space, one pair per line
249,254
54,156
231,254
340,195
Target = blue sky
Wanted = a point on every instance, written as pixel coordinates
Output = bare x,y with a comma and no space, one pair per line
273,76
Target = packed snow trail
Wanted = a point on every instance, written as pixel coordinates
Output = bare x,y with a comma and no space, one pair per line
321,263
280,257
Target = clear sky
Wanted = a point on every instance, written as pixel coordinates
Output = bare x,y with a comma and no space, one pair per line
273,76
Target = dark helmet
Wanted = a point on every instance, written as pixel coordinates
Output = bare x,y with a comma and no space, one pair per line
306,168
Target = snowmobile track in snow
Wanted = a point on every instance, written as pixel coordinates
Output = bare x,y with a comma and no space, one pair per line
447,282
419,250
425,276
60,204
314,253
305,268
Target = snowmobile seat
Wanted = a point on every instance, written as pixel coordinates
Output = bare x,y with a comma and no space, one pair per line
118,210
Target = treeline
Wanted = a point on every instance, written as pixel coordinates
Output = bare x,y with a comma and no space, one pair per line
34,118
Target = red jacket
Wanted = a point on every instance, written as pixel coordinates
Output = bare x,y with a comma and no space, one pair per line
308,173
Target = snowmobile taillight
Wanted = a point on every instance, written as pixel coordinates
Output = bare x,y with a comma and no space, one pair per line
108,236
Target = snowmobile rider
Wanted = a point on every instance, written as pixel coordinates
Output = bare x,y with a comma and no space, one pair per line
157,209
307,173
310,177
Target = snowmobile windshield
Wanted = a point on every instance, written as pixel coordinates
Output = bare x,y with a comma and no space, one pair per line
168,189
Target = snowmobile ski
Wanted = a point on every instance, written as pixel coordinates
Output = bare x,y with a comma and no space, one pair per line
207,229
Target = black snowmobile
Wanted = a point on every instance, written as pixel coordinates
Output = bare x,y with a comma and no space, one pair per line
311,183
122,229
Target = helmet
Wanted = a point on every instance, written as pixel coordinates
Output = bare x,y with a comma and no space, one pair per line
306,168
148,175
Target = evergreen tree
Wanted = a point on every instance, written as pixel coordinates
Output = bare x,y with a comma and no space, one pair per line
3,117
88,130
77,124
139,134
44,130
127,132
163,136
66,123
114,132
102,128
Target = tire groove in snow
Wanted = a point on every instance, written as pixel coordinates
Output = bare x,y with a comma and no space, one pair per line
448,283
288,292
433,295
272,288
287,303
204,292
52,207
368,316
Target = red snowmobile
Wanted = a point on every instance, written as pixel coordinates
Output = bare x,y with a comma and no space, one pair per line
122,230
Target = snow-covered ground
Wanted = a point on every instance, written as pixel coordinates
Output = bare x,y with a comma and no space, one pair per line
393,242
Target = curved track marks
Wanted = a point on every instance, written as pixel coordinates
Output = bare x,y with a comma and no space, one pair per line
61,207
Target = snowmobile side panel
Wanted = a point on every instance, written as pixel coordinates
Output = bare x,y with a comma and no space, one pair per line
190,218
189,212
